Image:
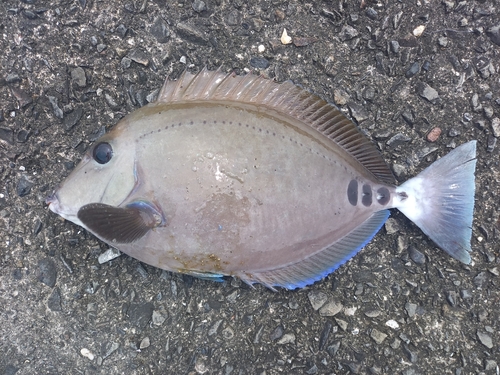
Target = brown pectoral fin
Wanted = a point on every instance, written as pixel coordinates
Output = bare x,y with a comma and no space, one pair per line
120,224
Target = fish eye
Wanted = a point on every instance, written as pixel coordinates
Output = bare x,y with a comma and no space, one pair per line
103,152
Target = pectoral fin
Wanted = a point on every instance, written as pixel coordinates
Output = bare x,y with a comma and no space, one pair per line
120,224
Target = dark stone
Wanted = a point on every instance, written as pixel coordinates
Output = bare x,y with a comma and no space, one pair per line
233,18
7,135
23,187
12,78
58,112
191,33
426,66
347,33
413,70
394,46
276,333
122,30
47,272
494,34
139,56
160,31
259,62
22,136
427,92
54,301
371,14
325,333
357,112
22,96
199,6
140,314
73,118
416,255
17,274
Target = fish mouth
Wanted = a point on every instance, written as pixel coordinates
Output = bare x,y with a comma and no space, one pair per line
53,202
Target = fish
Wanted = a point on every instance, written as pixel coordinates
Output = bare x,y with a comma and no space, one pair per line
238,175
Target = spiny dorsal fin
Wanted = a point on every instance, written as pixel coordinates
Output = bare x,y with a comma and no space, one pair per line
285,98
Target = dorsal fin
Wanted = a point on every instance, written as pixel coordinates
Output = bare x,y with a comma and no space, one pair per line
285,98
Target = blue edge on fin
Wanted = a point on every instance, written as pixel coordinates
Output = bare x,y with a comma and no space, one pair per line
377,220
323,263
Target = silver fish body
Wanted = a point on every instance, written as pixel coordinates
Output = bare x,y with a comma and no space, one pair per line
230,175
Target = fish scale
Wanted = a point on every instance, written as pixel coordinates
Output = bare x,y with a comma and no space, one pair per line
241,176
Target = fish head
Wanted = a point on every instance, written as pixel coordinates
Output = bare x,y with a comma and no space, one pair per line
106,174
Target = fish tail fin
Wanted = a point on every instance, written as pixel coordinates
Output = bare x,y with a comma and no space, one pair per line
440,200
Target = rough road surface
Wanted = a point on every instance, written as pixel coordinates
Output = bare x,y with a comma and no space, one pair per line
420,77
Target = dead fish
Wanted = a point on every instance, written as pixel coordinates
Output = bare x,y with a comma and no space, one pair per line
241,176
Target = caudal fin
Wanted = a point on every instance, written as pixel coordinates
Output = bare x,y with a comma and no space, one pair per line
440,200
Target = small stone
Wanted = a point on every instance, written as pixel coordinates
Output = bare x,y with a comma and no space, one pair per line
427,92
199,6
23,187
485,339
78,77
378,336
495,126
358,112
108,255
12,78
494,34
317,299
371,13
397,140
213,330
392,324
139,56
259,62
7,135
158,318
140,314
228,333
491,143
54,301
434,134
22,96
87,354
47,272
330,308
122,30
277,333
144,343
160,31
394,46
416,255
101,47
419,30
443,41
72,119
109,349
411,309
191,33
490,365
413,70
285,39
347,33
58,112
288,338
391,226
233,18
126,62
22,135
410,354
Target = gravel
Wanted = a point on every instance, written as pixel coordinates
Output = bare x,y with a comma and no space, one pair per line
71,70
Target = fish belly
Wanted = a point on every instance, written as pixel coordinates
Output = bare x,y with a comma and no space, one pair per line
241,190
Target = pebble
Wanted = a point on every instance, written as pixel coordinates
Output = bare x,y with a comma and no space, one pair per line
24,186
391,226
285,39
7,135
54,300
110,349
419,30
108,255
398,139
213,330
427,92
139,56
145,343
277,333
47,272
122,30
72,118
394,44
160,31
494,34
140,314
411,309
491,143
392,324
378,336
233,18
413,70
416,256
347,33
22,96
157,318
434,134
317,299
325,334
259,62
330,308
58,112
87,354
358,112
191,33
288,338
228,333
199,6
78,77
495,126
485,339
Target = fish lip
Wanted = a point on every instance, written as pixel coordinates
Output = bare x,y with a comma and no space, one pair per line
53,202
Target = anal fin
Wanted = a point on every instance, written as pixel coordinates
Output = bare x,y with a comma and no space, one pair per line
321,264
